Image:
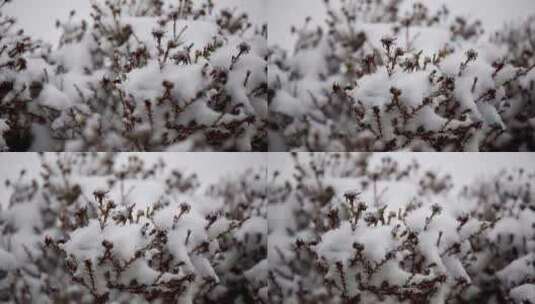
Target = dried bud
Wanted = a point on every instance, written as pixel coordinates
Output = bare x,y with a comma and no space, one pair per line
244,48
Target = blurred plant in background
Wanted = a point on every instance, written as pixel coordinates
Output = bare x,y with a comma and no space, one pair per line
90,230
140,76
377,78
344,230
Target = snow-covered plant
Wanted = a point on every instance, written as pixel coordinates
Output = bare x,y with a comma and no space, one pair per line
377,78
91,230
379,232
147,75
245,264
21,75
520,42
509,264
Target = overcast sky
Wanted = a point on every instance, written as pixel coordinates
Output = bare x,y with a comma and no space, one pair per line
282,14
38,17
210,167
464,167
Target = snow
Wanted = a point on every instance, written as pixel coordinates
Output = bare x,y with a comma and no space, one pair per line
85,243
258,273
524,293
53,98
146,83
74,57
7,261
285,103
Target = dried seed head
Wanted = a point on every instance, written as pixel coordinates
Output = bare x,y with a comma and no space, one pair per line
167,84
387,42
244,48
471,55
158,34
185,208
436,209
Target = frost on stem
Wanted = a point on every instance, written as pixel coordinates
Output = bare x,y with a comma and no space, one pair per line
138,76
90,230
376,78
425,241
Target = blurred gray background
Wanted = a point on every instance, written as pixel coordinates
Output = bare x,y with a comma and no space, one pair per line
282,14
38,17
209,166
464,167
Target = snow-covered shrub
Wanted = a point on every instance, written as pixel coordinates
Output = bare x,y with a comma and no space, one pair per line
93,230
344,229
378,78
520,42
21,74
148,75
